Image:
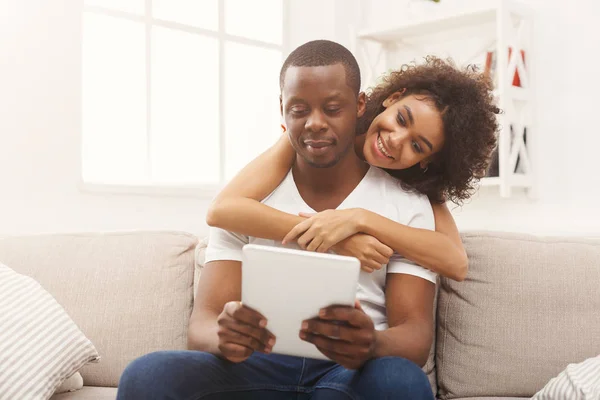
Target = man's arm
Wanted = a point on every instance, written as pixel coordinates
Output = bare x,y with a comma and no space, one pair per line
409,294
220,283
219,324
409,304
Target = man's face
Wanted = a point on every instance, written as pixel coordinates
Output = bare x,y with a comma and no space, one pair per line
320,112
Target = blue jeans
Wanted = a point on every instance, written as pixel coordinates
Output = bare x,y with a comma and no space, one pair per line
194,375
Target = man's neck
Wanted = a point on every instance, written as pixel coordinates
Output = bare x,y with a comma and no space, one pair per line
359,143
326,188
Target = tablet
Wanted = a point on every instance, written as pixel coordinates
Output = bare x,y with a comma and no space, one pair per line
288,286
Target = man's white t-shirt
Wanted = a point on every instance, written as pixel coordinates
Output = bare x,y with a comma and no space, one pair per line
377,192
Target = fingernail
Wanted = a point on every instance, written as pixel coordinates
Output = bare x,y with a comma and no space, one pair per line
267,350
322,313
302,335
271,342
262,323
304,325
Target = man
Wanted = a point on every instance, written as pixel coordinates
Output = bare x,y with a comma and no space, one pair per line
386,336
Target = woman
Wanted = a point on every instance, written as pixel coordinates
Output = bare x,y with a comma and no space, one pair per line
432,126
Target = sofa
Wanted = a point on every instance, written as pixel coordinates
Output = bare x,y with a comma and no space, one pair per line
529,306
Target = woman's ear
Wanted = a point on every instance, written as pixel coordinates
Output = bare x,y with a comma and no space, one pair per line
393,98
432,159
426,162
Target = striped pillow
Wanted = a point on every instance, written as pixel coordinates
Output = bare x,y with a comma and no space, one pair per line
40,346
577,382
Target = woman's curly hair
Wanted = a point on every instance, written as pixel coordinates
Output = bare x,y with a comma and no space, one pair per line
465,100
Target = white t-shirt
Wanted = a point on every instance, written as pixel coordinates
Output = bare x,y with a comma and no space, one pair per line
377,192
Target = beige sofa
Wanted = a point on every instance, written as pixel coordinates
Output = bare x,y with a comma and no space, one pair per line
529,307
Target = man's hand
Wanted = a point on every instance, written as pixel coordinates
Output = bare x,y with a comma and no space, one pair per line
344,334
371,253
242,332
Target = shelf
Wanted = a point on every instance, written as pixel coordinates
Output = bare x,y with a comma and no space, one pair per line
516,93
425,26
490,181
520,180
515,180
446,21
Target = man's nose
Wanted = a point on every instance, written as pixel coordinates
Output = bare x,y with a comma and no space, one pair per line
316,122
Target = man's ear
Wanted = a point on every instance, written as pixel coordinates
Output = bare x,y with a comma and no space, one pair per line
280,106
392,98
361,104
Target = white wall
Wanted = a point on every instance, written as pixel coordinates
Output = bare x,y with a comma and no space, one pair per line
40,123
566,51
40,53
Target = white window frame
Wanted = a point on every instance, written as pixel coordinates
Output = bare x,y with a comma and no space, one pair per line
178,190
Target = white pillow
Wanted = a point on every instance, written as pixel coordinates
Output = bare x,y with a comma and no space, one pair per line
40,346
71,384
577,382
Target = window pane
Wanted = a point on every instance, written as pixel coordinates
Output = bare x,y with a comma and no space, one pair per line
252,121
267,28
132,6
185,107
114,100
199,13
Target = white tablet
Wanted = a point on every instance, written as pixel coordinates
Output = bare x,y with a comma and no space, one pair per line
289,286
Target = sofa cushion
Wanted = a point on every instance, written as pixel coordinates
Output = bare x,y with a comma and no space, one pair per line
88,393
129,292
493,398
528,307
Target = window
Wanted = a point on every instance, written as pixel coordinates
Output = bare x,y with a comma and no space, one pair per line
178,92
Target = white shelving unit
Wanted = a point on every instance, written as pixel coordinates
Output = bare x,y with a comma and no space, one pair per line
502,24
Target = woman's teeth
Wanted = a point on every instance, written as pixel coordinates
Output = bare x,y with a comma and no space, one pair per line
381,148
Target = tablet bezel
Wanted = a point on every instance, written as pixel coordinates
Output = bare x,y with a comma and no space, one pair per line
289,286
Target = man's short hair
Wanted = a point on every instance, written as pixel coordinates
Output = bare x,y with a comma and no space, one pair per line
319,53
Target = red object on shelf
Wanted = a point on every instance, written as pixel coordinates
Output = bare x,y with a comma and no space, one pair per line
516,78
490,65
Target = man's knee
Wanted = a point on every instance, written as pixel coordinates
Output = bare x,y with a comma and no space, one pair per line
397,378
156,373
143,372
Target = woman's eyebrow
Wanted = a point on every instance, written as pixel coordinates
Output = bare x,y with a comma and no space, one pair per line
427,142
410,115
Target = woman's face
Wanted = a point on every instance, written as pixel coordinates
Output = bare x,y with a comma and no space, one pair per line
409,131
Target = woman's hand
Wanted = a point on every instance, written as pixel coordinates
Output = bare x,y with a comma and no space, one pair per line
320,232
371,253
